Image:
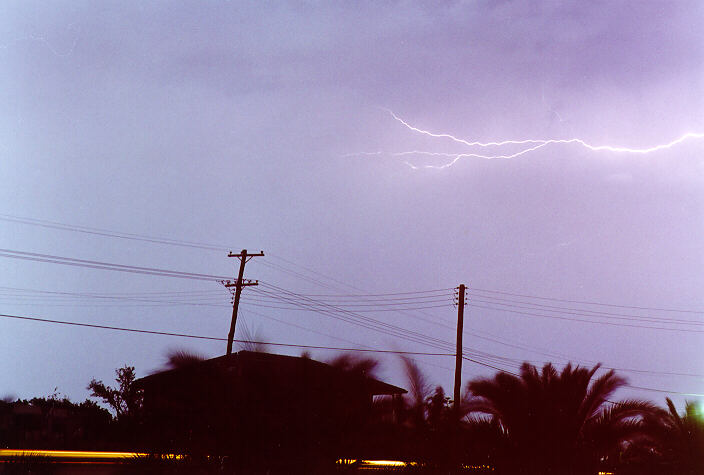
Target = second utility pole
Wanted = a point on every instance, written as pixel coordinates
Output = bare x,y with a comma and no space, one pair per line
458,354
238,284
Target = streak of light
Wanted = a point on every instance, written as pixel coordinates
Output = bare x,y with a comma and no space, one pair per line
476,155
530,145
74,454
376,464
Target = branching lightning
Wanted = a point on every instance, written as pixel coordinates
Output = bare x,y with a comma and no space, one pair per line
530,145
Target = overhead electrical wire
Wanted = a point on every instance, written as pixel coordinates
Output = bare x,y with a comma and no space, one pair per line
334,337
161,240
414,337
306,305
110,233
557,317
412,303
355,309
584,312
445,291
223,248
201,337
586,302
218,247
355,318
188,335
208,277
390,329
222,292
514,304
70,261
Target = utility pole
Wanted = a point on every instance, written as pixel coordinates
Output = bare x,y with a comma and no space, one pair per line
458,354
238,285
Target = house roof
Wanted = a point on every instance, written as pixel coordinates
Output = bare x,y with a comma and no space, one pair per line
244,358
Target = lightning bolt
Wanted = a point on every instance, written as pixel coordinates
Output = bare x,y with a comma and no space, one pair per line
530,145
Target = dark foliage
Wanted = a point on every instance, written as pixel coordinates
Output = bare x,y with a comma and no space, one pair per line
672,443
54,423
125,399
551,422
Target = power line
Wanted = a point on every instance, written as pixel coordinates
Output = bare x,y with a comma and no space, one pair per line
422,362
110,233
188,335
210,294
369,323
383,327
70,261
356,310
222,248
587,313
192,244
356,318
24,290
478,354
298,275
585,320
221,293
372,302
572,308
172,302
307,303
162,240
586,302
644,371
312,271
445,291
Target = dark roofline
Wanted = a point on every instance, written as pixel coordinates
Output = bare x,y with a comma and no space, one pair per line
377,387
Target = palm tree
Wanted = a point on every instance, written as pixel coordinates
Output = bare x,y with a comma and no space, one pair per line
552,422
414,406
429,431
675,443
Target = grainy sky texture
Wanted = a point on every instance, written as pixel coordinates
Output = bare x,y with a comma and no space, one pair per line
265,126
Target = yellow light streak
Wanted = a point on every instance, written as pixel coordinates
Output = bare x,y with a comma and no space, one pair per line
375,463
384,463
78,454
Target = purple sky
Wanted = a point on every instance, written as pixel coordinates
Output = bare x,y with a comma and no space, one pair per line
246,125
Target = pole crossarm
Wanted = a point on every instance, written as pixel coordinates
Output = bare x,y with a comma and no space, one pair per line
245,255
244,283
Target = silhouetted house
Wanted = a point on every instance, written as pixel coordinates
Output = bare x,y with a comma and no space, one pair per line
259,406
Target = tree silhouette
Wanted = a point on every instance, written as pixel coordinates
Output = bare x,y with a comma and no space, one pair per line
552,422
674,443
125,400
429,430
419,390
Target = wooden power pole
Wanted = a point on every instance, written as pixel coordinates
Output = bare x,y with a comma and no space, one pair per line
458,354
238,285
